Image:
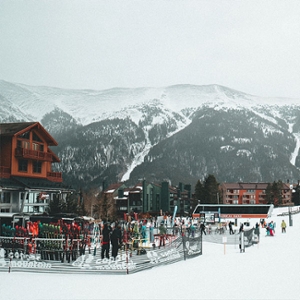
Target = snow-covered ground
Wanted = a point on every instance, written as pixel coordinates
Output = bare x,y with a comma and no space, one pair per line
268,270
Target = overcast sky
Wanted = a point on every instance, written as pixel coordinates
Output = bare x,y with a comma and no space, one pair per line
252,46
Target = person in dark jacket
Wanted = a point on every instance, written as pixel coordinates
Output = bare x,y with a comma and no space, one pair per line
230,227
162,234
105,241
202,227
241,228
116,240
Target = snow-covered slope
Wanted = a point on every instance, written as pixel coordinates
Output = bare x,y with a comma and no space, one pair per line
88,106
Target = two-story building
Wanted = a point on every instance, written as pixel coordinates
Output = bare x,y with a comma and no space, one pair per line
27,181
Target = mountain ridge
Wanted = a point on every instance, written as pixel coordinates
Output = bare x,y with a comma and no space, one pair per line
157,133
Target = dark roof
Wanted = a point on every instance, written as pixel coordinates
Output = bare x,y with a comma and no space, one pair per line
9,183
17,182
11,129
250,186
114,187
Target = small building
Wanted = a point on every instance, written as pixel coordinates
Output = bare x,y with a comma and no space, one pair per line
27,181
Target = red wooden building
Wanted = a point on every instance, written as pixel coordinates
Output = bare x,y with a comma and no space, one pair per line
27,182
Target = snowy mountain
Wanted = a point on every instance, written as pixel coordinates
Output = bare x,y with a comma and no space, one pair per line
178,133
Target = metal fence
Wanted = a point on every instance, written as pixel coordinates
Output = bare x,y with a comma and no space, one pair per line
51,255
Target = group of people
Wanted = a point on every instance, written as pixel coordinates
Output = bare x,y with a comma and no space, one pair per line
143,231
111,236
270,228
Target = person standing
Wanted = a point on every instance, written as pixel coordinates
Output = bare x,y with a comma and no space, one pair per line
283,226
151,232
230,228
241,228
105,241
162,234
116,239
271,228
202,227
144,231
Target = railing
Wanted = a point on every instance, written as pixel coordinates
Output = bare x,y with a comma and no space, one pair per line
32,154
5,172
54,176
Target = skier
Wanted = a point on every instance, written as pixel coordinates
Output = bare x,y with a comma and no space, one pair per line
283,226
271,228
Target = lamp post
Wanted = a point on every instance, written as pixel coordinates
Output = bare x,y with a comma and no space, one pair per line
290,217
290,209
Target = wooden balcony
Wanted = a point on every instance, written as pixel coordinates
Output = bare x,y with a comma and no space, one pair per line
5,172
54,176
33,154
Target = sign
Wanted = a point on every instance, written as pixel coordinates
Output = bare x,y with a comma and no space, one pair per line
246,216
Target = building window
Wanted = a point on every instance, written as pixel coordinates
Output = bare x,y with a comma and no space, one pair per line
5,197
23,144
35,146
23,165
36,138
25,135
37,167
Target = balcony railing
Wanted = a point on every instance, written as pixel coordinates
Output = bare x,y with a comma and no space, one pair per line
33,154
4,172
54,176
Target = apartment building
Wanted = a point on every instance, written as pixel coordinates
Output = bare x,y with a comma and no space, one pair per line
251,193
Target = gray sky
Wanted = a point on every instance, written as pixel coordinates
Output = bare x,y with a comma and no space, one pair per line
252,46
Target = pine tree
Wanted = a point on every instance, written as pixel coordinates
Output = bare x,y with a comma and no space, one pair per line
199,191
274,193
277,193
56,205
211,189
269,194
